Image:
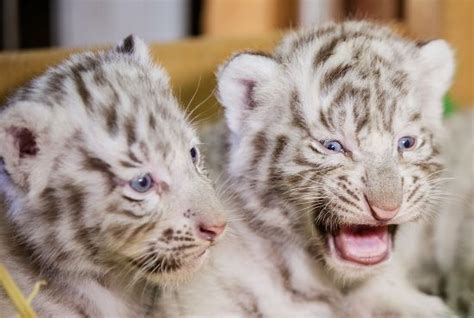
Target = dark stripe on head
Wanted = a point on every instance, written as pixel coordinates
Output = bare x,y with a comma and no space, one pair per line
309,37
152,121
316,150
295,107
144,150
323,119
98,165
133,157
111,118
335,113
282,142
100,79
326,51
128,164
380,98
55,90
82,91
333,75
129,126
300,160
389,114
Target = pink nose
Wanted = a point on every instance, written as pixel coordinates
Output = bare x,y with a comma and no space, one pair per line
383,214
210,232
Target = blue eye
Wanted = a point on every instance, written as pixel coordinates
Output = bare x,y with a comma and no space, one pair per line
194,154
333,145
406,143
142,184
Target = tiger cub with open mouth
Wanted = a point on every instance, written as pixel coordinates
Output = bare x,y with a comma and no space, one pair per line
333,141
105,196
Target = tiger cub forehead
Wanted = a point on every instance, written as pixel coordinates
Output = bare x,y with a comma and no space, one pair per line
108,95
115,106
355,75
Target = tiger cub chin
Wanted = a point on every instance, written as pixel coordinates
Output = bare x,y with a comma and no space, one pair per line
333,142
105,194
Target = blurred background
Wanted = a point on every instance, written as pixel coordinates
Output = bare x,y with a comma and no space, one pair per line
27,24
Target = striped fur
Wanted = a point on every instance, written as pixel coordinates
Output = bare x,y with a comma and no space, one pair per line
354,82
71,140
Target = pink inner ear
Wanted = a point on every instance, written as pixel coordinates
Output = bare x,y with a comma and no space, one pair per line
249,93
25,141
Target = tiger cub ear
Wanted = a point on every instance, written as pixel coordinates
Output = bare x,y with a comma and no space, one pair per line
23,138
436,65
238,84
134,46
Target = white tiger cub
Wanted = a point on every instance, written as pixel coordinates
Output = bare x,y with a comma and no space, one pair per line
105,194
333,143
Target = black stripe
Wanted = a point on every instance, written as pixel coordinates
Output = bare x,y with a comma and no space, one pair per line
316,150
129,126
295,107
82,90
333,75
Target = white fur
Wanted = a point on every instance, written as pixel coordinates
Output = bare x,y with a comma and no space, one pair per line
274,237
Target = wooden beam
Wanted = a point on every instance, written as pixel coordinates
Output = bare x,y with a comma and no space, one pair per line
248,17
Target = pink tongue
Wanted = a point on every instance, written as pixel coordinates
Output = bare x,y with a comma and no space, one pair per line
363,244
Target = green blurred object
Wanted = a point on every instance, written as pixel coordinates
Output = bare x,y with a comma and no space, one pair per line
448,106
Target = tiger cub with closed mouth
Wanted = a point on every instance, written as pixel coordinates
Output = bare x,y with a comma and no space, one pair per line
105,194
333,141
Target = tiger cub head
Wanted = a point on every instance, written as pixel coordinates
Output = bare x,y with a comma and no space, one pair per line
334,139
102,171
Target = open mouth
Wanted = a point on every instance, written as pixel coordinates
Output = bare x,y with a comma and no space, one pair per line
362,244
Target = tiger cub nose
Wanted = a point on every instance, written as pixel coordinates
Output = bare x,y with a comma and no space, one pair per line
382,214
383,211
210,232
